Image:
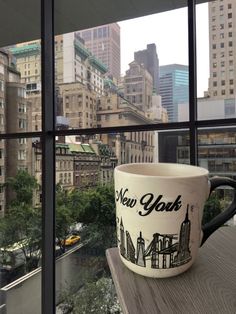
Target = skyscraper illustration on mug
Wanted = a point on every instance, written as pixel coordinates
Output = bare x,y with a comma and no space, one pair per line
164,251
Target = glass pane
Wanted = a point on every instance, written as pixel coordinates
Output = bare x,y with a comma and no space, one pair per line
20,73
109,76
20,225
85,214
173,146
216,60
217,153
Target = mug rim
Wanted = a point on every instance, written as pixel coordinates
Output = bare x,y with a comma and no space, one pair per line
198,171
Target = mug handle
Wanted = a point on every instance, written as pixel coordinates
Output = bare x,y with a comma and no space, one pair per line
220,219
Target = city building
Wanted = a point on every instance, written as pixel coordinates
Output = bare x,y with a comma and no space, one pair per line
77,165
223,109
216,146
174,88
104,43
108,161
79,78
15,113
216,149
87,165
138,86
148,57
222,45
79,64
79,105
28,63
73,63
112,109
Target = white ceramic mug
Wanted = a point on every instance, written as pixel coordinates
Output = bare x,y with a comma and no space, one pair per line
159,209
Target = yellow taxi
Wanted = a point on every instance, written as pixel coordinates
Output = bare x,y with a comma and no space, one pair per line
72,240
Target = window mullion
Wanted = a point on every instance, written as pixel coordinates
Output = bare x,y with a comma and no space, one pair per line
48,157
192,80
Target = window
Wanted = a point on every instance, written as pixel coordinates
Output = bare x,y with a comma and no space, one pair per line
229,108
222,82
1,86
22,141
1,69
22,108
1,171
22,155
222,45
120,134
22,123
229,15
1,120
230,44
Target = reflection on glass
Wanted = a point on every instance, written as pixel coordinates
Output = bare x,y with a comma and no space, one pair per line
217,151
173,146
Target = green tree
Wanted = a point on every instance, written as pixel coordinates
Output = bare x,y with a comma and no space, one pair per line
22,221
95,208
64,218
23,184
212,208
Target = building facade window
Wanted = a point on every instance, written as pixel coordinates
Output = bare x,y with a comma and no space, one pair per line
1,86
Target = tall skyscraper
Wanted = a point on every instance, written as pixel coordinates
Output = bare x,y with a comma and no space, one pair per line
104,43
148,57
222,42
174,88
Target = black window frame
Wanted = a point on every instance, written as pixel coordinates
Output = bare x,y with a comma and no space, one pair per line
48,134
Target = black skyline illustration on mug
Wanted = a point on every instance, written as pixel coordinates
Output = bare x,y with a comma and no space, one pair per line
164,251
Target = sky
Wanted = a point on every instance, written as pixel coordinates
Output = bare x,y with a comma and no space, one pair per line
169,31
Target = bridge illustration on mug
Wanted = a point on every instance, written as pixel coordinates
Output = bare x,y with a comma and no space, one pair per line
164,251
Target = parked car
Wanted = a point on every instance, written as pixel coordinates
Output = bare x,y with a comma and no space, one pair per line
72,239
